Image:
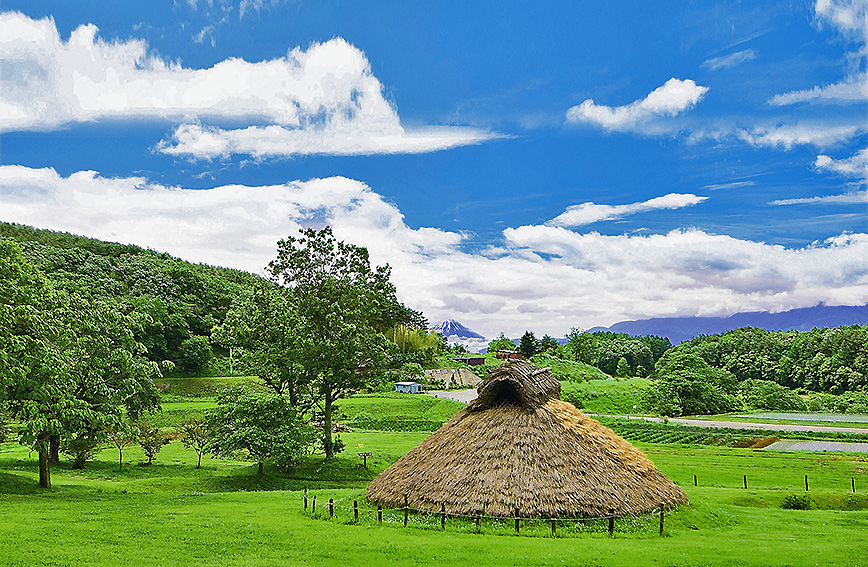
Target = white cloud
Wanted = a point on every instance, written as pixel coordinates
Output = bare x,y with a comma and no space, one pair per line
587,213
844,199
820,134
851,19
338,136
855,166
547,279
674,97
326,90
731,60
853,89
850,16
729,185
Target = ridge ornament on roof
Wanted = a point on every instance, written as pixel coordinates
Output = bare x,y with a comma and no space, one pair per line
519,447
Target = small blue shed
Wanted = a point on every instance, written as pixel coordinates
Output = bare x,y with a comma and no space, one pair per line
409,387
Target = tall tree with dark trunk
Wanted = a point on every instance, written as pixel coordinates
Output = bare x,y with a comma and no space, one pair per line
263,327
33,378
70,365
341,304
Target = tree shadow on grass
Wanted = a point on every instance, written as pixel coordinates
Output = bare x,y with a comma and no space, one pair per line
11,483
311,472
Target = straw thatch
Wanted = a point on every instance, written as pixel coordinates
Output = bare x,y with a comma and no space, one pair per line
519,447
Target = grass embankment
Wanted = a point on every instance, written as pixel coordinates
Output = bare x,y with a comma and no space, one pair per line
200,386
622,396
396,412
224,514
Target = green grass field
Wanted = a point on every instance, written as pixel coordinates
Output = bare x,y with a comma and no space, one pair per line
224,514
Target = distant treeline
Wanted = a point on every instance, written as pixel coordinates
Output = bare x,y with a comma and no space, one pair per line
746,368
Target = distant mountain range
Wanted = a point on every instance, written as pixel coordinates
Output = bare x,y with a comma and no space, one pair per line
452,328
680,329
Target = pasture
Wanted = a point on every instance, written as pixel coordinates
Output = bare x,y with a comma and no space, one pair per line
225,514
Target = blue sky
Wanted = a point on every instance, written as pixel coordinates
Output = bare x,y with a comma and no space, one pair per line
521,166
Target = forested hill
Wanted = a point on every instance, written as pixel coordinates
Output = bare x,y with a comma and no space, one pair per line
183,300
681,329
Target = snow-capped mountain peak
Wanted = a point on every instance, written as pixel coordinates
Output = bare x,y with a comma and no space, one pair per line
452,328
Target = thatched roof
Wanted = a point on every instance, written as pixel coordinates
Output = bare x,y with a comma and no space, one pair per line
518,446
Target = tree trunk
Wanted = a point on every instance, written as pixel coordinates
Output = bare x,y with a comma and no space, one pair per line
293,394
54,449
327,426
44,471
78,462
261,467
120,459
199,464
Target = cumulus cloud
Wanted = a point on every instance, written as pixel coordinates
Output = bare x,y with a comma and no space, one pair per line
587,213
731,60
540,276
855,166
674,97
326,94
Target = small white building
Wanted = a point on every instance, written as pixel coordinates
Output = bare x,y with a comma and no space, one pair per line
409,387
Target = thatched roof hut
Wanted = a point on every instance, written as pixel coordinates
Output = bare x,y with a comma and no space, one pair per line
518,446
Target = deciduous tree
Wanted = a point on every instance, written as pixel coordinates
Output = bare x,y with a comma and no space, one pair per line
342,304
261,423
196,434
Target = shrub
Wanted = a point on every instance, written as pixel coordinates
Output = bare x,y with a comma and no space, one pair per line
261,423
797,502
81,447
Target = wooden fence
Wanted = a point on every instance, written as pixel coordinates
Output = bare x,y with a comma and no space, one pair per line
310,504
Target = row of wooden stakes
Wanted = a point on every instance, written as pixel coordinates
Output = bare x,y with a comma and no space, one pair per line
477,517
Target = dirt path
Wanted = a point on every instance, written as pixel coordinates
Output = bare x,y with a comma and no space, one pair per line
457,395
751,425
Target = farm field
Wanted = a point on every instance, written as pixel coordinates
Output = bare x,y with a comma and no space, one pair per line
224,514
825,419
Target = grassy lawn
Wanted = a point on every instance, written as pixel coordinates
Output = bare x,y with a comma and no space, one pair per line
225,514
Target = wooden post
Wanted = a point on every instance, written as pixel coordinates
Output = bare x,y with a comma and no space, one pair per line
745,482
516,520
356,510
379,513
853,483
442,516
806,483
694,481
611,522
313,507
661,519
305,498
331,507
554,524
406,510
478,520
